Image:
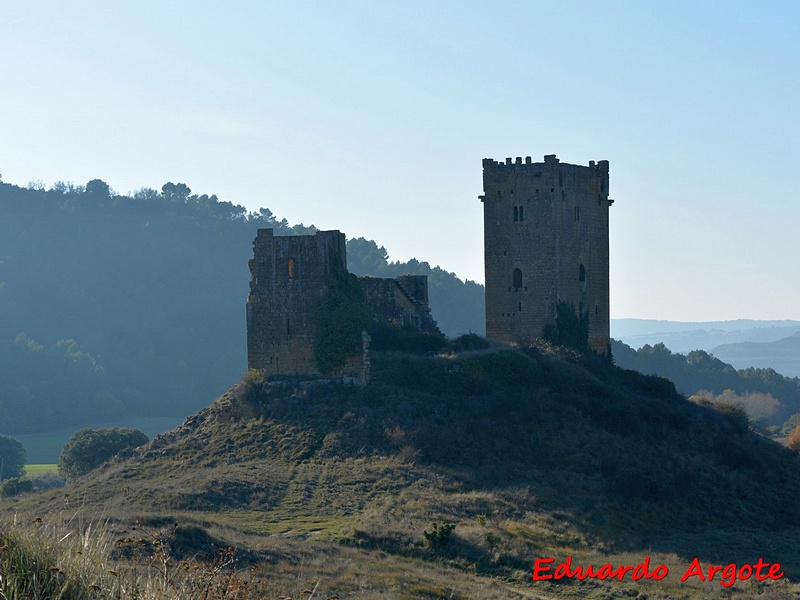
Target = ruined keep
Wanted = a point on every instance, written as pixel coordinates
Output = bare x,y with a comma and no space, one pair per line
545,243
290,276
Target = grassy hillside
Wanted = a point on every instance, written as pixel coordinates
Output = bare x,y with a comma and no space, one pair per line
528,453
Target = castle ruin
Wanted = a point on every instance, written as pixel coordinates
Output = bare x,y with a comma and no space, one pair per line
289,276
545,244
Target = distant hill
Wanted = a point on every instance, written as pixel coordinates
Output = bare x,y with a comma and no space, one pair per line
683,336
528,453
783,355
117,305
699,370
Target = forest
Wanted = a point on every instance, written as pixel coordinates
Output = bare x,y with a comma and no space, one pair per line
135,304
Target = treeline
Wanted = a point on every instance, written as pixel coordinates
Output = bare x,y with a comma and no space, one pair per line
699,373
149,287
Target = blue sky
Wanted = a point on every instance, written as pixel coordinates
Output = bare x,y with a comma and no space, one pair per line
373,118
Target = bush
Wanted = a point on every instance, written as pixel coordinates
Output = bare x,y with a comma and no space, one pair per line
793,443
736,415
12,458
405,338
438,537
570,330
468,341
89,448
15,486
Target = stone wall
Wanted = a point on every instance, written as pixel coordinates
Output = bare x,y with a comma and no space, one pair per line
402,301
288,277
545,240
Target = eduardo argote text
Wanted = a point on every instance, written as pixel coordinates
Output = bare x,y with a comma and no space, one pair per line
544,569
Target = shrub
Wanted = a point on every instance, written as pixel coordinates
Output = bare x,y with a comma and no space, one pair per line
736,415
468,341
570,330
438,537
405,339
12,458
89,448
793,443
15,486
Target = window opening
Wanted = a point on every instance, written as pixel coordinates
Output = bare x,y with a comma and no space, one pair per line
516,214
521,214
517,279
291,268
582,274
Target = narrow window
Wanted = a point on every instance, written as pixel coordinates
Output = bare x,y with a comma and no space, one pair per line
291,268
582,274
517,280
288,329
519,307
516,214
521,214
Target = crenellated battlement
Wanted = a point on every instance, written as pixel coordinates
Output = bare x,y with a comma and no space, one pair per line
549,160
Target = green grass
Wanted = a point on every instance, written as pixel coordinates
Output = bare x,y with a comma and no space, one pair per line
41,469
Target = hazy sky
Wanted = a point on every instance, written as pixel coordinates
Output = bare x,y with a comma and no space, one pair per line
373,118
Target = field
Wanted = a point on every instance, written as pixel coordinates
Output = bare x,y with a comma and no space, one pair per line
35,470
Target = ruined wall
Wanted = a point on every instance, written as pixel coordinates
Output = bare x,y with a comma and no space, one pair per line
402,301
288,277
545,240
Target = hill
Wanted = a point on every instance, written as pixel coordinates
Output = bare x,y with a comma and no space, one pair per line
683,337
774,397
117,305
529,454
783,355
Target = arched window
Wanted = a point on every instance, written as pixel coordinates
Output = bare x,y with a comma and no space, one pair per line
516,278
582,274
291,268
516,214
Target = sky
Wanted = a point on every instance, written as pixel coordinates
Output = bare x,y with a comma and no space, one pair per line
373,118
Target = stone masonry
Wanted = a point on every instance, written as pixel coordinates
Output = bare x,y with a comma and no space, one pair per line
288,277
545,241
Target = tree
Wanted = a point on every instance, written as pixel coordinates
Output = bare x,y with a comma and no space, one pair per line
793,443
97,188
176,192
12,458
89,448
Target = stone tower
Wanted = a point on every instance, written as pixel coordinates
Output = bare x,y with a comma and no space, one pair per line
545,241
289,275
